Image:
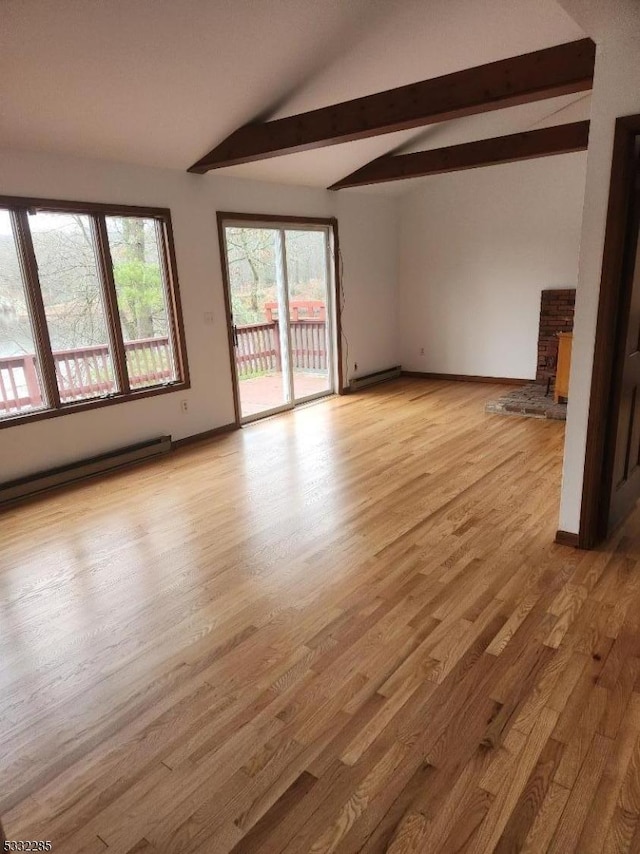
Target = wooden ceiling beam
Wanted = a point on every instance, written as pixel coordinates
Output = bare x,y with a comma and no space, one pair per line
560,139
559,70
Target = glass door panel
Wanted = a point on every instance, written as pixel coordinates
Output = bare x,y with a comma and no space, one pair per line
309,312
257,290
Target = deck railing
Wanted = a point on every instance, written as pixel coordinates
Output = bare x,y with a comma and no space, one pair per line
258,347
85,372
82,372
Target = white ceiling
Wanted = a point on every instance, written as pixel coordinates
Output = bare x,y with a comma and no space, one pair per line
160,82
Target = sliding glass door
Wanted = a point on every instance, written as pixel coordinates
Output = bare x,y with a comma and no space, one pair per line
280,297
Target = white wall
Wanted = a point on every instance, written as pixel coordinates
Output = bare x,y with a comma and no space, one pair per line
615,25
370,312
368,237
476,249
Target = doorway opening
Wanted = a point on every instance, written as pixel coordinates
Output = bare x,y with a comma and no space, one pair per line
283,311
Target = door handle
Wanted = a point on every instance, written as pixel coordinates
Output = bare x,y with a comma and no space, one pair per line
234,330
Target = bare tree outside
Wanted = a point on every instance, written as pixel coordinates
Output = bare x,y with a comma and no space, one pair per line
306,265
16,336
69,280
252,271
251,256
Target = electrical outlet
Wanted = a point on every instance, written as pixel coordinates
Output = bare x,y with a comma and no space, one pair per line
422,351
208,318
184,406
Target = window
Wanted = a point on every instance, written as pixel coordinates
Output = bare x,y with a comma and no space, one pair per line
89,309
20,370
136,248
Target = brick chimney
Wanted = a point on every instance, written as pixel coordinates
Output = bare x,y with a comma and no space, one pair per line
556,315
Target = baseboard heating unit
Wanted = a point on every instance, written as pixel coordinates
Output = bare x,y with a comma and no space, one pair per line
24,487
373,379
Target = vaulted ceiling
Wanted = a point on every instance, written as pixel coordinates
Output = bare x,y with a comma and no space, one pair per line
160,83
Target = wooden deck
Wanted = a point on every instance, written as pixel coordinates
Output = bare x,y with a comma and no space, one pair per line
344,629
258,394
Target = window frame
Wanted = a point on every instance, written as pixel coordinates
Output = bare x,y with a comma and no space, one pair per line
19,208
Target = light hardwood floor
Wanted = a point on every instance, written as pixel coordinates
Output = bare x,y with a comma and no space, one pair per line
345,629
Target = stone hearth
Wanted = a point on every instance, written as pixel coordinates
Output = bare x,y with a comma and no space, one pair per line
530,401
